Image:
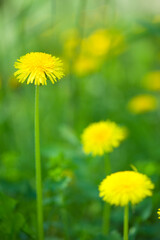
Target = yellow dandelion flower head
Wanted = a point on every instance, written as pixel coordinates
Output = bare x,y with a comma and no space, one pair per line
120,188
98,43
158,212
142,103
37,67
152,81
102,137
85,65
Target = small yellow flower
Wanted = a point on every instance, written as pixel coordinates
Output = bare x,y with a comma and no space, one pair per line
158,212
152,81
85,65
102,42
120,188
102,137
142,103
98,43
37,67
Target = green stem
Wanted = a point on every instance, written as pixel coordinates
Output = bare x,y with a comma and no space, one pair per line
38,169
65,224
126,215
74,86
107,164
64,217
106,218
81,18
107,208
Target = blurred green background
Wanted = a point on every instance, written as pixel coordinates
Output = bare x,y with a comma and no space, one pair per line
111,53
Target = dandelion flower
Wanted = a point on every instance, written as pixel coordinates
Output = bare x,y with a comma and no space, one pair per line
158,212
98,44
85,65
142,103
152,81
120,188
102,137
101,42
37,67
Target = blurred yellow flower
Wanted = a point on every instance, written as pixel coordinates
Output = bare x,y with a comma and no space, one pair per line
152,81
85,65
142,103
158,212
37,67
87,54
102,137
120,188
98,43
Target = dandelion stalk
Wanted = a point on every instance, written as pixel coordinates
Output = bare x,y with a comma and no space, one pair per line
126,216
81,18
99,138
74,89
124,187
38,168
36,68
107,164
106,218
107,208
